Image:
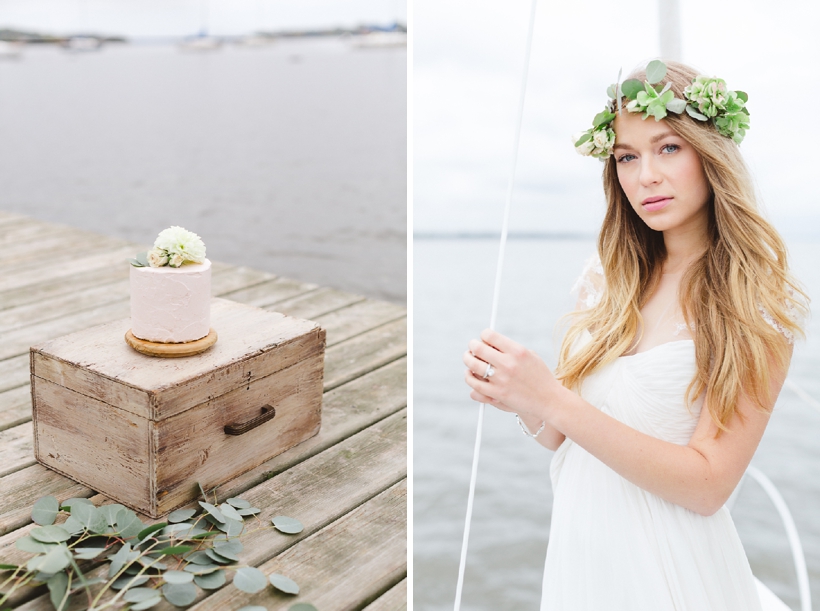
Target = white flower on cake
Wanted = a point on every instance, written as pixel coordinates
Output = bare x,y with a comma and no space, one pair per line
173,247
179,241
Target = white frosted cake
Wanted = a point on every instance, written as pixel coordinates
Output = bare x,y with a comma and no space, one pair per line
171,304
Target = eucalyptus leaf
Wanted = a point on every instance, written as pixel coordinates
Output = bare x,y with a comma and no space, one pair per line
690,110
90,517
8,567
676,105
143,259
135,263
175,549
655,71
137,595
33,546
57,587
742,95
147,604
603,118
45,511
631,87
198,557
69,503
87,553
229,549
51,562
287,525
179,594
174,576
73,526
50,534
145,532
128,523
296,607
152,563
217,558
229,512
128,581
230,527
239,503
211,581
109,512
587,136
212,511
249,579
250,511
119,559
285,584
610,91
202,569
180,515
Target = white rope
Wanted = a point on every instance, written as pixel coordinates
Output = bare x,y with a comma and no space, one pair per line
791,532
496,293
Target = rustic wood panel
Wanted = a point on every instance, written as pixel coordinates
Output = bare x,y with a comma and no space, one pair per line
319,491
342,566
58,246
314,304
346,410
26,230
365,352
395,599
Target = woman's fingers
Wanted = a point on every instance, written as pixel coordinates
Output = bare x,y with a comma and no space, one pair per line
500,342
475,365
486,353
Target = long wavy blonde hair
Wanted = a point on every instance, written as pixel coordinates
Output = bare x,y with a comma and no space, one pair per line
744,269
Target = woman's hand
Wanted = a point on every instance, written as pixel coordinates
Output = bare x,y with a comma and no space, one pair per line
520,382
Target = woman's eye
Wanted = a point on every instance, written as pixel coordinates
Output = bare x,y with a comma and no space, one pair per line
670,148
625,158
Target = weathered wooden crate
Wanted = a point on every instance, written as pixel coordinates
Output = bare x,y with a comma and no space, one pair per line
145,430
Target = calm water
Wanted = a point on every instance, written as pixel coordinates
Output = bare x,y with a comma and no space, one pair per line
453,283
289,158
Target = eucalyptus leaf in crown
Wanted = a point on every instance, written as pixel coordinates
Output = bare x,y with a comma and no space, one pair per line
173,247
706,99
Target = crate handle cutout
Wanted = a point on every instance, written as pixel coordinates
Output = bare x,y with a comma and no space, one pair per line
268,412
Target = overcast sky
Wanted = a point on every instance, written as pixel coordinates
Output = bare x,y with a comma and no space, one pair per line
183,17
468,59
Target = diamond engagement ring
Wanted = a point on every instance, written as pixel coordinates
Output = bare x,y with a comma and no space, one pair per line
490,371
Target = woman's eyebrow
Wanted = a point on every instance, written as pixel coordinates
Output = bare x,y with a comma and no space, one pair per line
653,140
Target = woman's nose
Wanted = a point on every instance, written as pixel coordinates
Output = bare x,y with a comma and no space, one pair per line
650,172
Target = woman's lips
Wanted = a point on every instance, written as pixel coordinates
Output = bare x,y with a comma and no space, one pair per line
655,203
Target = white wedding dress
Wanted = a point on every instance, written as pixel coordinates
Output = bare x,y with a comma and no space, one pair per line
616,547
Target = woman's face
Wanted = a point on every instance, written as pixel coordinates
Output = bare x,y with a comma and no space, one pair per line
661,174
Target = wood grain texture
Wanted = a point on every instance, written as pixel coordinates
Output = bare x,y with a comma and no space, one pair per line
270,292
316,303
340,568
395,599
365,352
14,372
173,350
16,448
15,407
320,491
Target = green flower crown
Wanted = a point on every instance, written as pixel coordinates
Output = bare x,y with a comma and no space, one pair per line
707,99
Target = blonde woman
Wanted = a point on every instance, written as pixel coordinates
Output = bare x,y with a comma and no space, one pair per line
670,369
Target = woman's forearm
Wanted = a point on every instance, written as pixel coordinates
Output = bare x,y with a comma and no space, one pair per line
678,474
550,437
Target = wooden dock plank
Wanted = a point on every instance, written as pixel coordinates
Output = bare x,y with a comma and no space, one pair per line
270,292
395,599
317,492
14,372
316,303
16,448
365,352
342,566
15,407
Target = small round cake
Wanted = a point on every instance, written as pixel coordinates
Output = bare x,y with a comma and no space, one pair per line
171,304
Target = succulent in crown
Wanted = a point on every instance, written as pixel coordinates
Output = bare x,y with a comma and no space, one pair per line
706,99
173,247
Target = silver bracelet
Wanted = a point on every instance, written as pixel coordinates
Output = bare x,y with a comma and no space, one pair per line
526,431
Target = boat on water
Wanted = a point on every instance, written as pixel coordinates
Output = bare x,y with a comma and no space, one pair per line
82,44
11,50
202,42
379,40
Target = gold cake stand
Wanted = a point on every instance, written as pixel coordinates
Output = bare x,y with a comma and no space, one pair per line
170,351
